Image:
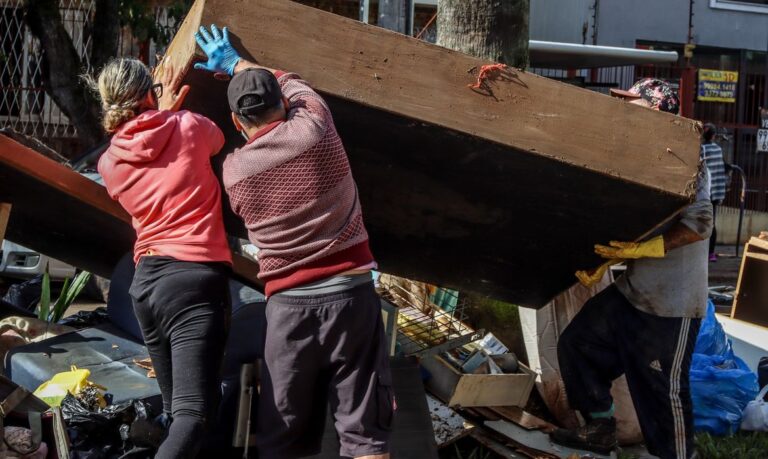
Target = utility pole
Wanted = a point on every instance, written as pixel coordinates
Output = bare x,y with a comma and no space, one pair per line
688,77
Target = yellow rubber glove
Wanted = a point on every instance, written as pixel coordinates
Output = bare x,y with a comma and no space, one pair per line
653,248
590,278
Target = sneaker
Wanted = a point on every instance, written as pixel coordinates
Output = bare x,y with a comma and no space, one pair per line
712,257
598,436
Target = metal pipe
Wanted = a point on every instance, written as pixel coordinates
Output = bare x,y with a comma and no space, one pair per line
365,9
548,52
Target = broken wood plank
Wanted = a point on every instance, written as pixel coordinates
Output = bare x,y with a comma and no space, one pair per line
523,418
535,442
498,447
502,191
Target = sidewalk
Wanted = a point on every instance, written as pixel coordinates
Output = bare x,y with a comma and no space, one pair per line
725,271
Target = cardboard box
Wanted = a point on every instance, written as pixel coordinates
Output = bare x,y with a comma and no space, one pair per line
469,390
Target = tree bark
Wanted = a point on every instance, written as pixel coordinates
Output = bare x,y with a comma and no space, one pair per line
491,29
496,30
105,34
61,70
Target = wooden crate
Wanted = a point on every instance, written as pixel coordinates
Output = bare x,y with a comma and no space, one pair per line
750,303
502,190
470,390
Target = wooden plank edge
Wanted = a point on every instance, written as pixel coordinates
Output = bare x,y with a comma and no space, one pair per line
756,256
757,242
739,279
45,170
5,214
523,418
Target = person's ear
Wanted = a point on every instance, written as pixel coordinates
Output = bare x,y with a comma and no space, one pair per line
236,122
150,100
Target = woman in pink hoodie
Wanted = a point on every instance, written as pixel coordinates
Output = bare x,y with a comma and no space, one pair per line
158,167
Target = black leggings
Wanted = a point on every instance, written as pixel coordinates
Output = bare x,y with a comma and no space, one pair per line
183,310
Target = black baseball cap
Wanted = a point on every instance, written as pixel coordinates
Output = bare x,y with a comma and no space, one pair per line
260,84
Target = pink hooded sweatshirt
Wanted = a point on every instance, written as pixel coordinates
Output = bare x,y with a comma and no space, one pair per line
158,168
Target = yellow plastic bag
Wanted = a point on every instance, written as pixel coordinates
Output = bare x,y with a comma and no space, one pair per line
73,381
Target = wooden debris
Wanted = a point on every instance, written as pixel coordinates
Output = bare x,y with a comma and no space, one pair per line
147,365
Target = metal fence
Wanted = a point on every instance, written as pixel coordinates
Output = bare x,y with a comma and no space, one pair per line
737,122
24,105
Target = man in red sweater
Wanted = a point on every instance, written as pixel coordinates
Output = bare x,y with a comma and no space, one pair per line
292,185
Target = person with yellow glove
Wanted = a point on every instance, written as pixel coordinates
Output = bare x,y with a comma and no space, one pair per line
644,325
617,252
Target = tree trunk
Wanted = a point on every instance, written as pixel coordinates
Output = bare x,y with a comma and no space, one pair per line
491,29
61,70
496,30
106,33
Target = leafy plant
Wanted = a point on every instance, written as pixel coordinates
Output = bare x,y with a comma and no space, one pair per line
69,291
140,16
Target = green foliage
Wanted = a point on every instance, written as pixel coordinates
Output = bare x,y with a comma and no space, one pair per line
625,455
45,296
69,292
139,16
743,445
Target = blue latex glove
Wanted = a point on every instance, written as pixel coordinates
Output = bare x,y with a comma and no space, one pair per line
222,57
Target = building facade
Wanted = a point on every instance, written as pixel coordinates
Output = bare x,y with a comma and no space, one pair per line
724,38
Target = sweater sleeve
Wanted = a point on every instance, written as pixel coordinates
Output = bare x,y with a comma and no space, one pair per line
307,111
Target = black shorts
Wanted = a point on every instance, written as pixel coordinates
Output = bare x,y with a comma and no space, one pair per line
325,350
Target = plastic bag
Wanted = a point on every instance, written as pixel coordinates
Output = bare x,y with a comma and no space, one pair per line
25,295
721,383
107,433
86,319
755,416
75,381
712,339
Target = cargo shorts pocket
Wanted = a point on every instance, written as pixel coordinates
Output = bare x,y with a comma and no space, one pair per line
385,397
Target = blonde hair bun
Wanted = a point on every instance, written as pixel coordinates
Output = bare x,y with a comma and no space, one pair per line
122,85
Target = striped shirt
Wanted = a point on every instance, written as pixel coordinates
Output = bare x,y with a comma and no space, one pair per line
712,155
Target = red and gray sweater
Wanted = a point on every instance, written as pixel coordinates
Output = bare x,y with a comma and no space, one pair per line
293,187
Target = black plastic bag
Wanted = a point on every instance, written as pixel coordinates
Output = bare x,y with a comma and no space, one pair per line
105,433
86,319
25,295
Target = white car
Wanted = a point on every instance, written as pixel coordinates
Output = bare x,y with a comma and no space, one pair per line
19,262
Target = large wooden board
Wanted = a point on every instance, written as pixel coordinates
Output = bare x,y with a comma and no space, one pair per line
60,213
503,193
